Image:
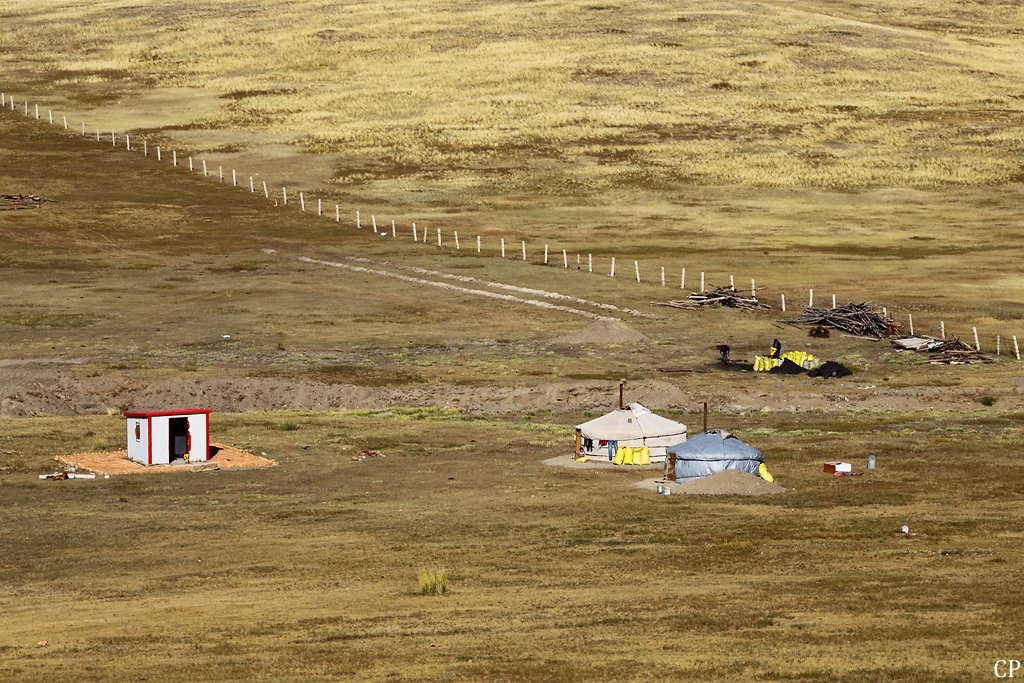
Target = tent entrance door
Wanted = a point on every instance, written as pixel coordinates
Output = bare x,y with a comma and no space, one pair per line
179,437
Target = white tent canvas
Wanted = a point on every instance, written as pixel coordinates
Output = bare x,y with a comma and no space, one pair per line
633,426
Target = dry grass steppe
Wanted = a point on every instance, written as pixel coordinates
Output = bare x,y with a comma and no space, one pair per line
868,149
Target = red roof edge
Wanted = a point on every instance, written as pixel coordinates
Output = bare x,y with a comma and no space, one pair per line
165,413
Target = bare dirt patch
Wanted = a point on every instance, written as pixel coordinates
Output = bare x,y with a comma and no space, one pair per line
117,462
604,332
593,464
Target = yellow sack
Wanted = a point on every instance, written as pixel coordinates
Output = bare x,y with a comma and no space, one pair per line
762,471
627,459
803,359
620,455
645,456
581,459
764,363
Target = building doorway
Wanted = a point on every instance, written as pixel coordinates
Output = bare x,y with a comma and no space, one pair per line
179,436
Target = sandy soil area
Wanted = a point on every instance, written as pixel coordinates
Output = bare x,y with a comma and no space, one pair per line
728,483
567,461
117,462
47,389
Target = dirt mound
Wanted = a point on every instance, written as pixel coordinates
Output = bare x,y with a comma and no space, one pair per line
40,390
727,483
603,332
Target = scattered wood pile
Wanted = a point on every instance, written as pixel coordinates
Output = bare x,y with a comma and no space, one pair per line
859,319
13,202
721,296
942,351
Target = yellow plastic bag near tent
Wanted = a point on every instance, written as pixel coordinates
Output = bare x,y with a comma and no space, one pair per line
803,359
762,471
627,455
764,363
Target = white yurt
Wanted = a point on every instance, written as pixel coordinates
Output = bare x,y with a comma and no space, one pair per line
634,426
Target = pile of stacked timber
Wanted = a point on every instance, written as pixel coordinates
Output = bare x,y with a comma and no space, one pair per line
721,296
12,202
942,351
859,319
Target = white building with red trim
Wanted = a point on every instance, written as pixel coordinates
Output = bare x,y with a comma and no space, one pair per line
161,437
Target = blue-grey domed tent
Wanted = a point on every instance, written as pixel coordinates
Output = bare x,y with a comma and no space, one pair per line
711,452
